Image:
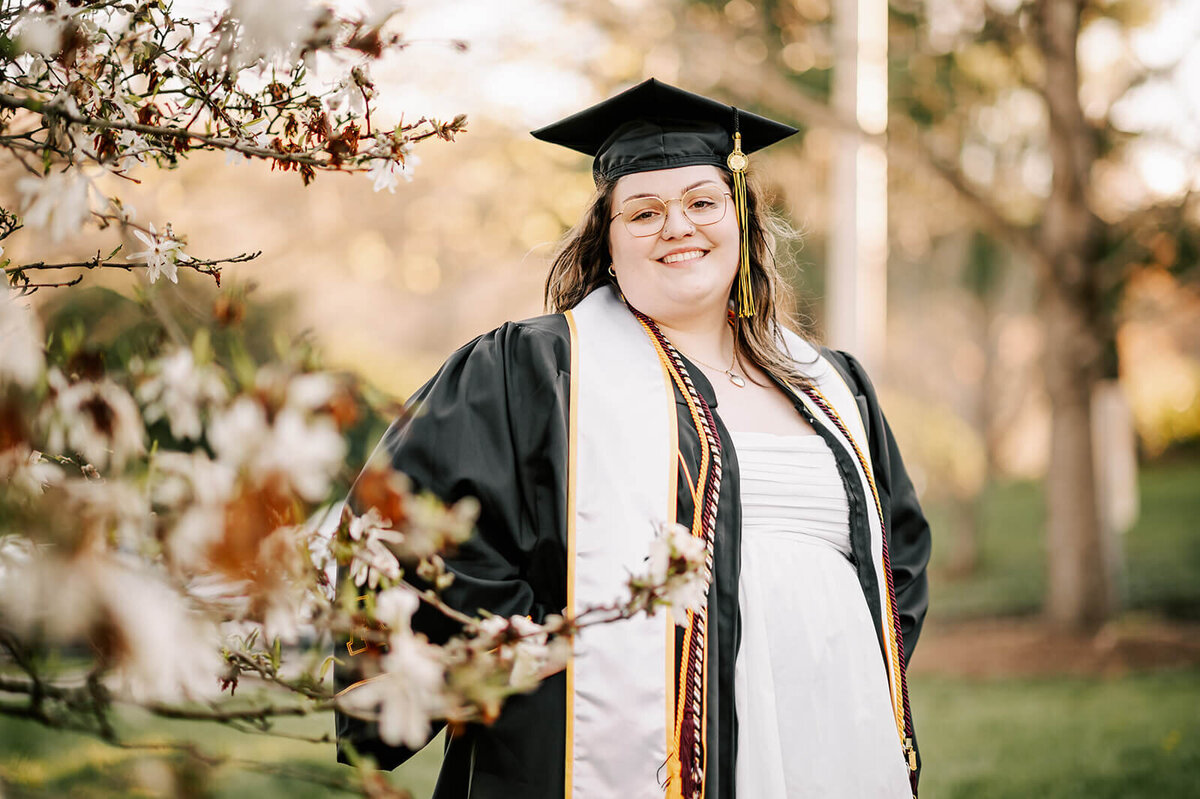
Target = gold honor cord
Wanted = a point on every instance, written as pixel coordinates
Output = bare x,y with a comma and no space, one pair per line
686,765
896,665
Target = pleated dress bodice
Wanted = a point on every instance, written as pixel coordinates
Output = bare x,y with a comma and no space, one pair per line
811,692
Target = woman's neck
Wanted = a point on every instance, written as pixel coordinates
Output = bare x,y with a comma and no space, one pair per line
709,341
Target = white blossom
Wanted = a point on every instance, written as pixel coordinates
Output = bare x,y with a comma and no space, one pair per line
16,552
283,589
180,392
21,357
534,655
395,607
677,564
59,203
347,96
407,695
161,255
272,31
171,654
238,431
117,510
197,487
308,392
431,526
308,451
131,148
256,133
386,172
27,471
372,558
162,651
97,419
41,33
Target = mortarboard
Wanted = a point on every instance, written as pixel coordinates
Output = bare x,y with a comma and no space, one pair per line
657,126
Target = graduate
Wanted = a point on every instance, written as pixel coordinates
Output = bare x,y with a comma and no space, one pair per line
667,386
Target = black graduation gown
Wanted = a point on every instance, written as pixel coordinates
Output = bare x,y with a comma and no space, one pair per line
492,424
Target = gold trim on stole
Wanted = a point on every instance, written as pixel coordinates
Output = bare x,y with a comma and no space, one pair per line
572,474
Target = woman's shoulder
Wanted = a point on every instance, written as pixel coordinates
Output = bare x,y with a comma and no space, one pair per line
543,336
531,350
851,370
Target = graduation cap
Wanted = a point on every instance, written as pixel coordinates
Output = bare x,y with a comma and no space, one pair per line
658,126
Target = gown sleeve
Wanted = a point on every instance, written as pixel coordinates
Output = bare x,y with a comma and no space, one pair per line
909,539
491,424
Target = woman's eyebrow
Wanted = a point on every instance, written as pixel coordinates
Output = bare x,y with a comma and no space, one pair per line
697,184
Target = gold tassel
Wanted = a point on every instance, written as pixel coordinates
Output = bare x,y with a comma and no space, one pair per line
737,162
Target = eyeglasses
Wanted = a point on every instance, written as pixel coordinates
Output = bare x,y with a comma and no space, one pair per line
646,216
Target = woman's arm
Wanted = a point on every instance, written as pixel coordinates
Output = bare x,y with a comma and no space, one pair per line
909,540
491,424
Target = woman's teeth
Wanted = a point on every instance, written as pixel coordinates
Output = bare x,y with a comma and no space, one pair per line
676,257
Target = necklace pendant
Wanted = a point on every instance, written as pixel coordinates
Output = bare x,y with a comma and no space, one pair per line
736,379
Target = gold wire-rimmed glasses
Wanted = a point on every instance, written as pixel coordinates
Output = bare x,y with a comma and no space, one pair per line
646,216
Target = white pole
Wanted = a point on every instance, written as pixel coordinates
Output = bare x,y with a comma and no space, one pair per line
857,275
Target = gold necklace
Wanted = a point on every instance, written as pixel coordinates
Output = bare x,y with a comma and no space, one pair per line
737,380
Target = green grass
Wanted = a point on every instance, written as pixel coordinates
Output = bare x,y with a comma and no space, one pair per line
36,761
1162,551
1054,738
1060,738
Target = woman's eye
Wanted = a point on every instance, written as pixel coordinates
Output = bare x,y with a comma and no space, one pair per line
644,215
701,204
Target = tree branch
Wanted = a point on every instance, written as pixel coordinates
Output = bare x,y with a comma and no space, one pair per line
302,157
772,88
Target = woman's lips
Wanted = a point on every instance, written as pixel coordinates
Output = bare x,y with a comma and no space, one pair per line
682,256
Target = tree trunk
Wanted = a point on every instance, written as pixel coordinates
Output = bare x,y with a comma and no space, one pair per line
1079,594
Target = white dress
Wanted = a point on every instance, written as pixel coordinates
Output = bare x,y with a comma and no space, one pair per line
810,686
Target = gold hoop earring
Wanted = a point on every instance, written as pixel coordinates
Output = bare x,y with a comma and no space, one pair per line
611,272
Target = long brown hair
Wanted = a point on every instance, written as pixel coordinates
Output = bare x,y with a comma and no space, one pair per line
581,266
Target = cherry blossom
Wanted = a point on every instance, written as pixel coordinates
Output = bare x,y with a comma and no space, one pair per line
385,174
374,559
26,473
157,647
307,451
676,561
21,358
97,419
59,203
238,430
42,33
180,391
407,695
273,31
160,255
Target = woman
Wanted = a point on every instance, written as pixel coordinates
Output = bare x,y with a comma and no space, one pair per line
665,390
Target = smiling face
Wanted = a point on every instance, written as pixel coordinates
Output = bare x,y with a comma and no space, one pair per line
685,271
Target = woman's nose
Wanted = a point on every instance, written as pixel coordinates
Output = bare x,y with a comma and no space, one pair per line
676,224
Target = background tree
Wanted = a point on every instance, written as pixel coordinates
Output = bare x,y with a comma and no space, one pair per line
987,99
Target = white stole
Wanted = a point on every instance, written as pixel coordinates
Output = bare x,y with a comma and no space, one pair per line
622,477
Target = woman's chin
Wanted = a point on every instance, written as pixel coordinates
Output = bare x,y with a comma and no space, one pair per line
680,304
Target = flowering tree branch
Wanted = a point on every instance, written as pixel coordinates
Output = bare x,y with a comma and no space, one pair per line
317,157
102,87
162,517
19,280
